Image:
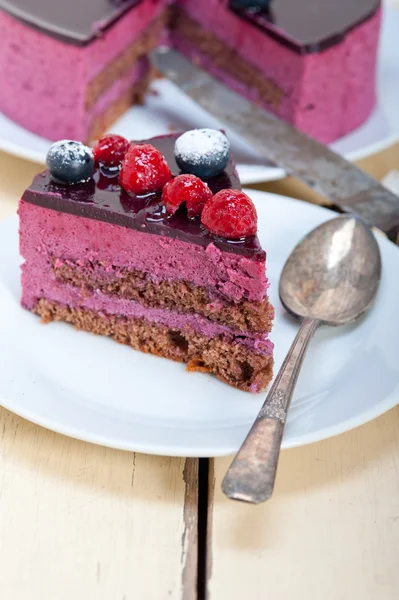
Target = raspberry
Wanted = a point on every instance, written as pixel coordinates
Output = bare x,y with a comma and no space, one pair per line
189,189
110,149
144,170
230,214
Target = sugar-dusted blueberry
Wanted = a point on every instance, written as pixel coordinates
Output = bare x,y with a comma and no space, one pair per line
70,162
202,152
253,5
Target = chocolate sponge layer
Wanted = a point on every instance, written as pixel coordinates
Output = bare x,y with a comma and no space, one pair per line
181,296
123,63
185,28
133,95
232,363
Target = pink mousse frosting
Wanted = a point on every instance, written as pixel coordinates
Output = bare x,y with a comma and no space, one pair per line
49,233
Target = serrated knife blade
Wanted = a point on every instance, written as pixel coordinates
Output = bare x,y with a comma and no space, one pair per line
348,187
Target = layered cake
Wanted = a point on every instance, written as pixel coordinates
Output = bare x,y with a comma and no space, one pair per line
70,72
68,68
311,62
155,245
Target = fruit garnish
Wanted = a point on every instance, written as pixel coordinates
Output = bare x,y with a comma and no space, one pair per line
187,189
110,149
144,170
252,5
70,162
230,214
202,152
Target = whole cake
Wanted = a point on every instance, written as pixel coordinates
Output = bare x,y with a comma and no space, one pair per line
154,244
68,69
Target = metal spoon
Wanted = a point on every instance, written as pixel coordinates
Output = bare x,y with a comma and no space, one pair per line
331,278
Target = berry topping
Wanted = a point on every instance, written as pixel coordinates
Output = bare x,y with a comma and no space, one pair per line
70,162
189,189
144,170
110,149
202,152
230,214
252,5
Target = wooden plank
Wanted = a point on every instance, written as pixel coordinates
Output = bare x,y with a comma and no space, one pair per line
82,521
331,531
190,534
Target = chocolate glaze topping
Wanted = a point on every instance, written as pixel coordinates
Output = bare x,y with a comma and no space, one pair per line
303,25
103,199
311,25
76,21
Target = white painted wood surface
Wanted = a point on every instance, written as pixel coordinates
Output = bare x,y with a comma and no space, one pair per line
331,531
82,522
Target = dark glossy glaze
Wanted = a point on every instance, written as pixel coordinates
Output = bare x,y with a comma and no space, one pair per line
76,21
304,25
103,199
311,25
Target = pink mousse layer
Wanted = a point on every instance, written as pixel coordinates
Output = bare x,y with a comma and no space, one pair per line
47,233
44,80
326,94
38,282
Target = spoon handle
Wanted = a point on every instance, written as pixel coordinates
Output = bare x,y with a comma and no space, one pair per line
252,473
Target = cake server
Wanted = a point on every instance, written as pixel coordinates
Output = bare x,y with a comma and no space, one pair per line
331,278
348,188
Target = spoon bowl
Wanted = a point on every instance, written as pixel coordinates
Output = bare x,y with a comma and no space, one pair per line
333,274
331,278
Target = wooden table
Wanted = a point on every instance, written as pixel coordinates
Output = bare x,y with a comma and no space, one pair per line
82,522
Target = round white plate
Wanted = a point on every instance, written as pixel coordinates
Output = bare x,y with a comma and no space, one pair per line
96,390
168,109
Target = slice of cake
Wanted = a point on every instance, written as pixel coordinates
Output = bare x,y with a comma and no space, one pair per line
69,68
313,63
66,72
120,242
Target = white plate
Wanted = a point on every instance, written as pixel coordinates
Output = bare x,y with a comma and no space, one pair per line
94,389
168,109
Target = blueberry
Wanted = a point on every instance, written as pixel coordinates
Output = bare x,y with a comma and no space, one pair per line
202,152
70,162
250,5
